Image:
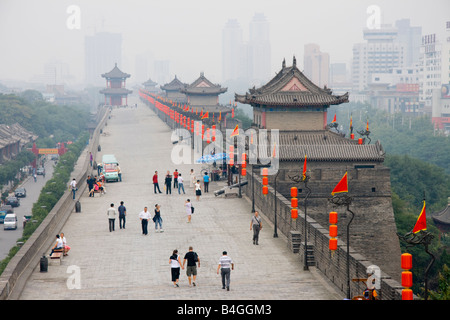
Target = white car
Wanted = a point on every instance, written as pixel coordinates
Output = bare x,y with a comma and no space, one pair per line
10,221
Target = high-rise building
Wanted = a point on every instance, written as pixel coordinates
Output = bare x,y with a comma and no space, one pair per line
259,51
380,54
430,64
233,55
102,50
316,65
411,37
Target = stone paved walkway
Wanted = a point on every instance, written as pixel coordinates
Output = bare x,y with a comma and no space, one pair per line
124,264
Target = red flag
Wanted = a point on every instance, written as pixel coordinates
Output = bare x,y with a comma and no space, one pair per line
206,115
421,223
367,126
342,186
334,119
304,169
235,131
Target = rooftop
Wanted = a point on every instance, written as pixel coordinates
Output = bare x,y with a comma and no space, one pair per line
203,86
174,85
116,73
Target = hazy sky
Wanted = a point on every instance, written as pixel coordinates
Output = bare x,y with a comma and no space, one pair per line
189,33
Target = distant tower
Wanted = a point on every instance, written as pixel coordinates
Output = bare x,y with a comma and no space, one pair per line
115,89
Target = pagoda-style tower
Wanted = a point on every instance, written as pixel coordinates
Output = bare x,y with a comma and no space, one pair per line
297,108
115,89
173,90
203,93
150,86
290,101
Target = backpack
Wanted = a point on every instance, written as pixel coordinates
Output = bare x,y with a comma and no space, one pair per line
195,257
192,209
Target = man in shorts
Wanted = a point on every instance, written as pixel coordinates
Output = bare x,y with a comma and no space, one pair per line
192,260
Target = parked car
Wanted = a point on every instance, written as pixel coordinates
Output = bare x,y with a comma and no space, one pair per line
40,171
2,216
10,221
7,208
20,193
13,201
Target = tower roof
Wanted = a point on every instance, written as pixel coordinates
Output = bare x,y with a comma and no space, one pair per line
149,83
443,216
290,87
203,86
174,85
115,73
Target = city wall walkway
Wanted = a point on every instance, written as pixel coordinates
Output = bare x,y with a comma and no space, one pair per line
125,264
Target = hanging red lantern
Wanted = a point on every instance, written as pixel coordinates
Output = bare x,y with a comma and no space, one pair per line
407,279
406,260
244,165
265,172
294,192
333,231
265,190
294,213
407,294
333,217
243,172
265,181
333,244
294,203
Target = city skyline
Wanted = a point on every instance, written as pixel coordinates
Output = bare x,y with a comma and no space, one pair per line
189,38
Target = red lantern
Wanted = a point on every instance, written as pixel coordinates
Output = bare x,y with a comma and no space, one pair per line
265,172
333,244
244,165
244,157
294,213
294,202
333,217
231,148
265,181
407,294
294,192
243,172
407,279
333,231
265,190
406,261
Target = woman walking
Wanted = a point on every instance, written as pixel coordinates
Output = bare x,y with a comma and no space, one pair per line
198,190
175,265
157,218
188,207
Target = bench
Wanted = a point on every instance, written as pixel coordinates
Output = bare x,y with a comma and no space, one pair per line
57,256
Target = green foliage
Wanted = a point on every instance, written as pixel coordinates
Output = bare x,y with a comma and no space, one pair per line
9,169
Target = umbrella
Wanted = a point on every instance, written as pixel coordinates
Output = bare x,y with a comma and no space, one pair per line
213,158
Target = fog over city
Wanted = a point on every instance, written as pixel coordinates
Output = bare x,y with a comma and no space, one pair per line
188,34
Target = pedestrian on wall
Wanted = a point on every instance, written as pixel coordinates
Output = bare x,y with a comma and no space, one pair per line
91,158
192,259
157,218
206,182
192,178
175,178
144,216
188,208
155,182
225,266
90,182
198,190
175,265
111,213
180,184
119,173
168,183
256,226
73,187
122,215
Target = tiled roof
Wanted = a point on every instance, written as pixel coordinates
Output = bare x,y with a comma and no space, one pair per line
115,73
290,87
175,84
322,146
149,83
203,86
443,216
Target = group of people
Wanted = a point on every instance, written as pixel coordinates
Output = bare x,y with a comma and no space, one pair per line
60,245
193,261
178,182
96,184
145,217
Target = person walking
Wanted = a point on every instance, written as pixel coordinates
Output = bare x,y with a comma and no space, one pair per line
206,182
119,173
122,215
73,187
256,225
90,182
180,184
225,266
198,190
157,218
111,213
192,260
168,183
175,265
188,207
175,178
144,216
91,158
192,178
155,182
